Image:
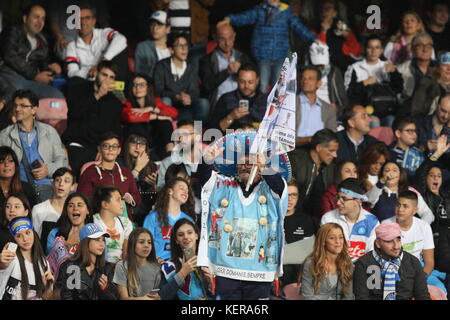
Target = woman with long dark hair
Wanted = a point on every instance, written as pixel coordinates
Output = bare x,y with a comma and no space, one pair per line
181,268
16,205
372,160
174,202
327,272
10,177
149,116
76,213
25,271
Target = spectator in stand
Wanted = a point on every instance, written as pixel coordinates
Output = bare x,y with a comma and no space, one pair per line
331,89
327,272
332,30
48,212
36,144
93,110
355,138
219,70
96,273
417,71
16,205
10,177
148,116
92,46
388,272
77,212
109,173
25,58
357,223
399,48
313,114
272,22
372,160
343,171
383,196
177,81
150,51
402,150
245,104
108,202
313,169
443,262
433,125
437,25
363,78
171,205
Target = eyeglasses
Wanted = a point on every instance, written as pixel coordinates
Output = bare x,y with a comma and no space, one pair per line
424,46
410,130
139,85
294,195
23,105
138,143
181,46
343,199
106,146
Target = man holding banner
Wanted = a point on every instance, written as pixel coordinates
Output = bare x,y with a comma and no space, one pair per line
243,206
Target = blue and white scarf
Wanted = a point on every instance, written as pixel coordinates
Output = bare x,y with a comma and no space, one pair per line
389,270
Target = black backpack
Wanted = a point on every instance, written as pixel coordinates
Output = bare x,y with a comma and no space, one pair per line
382,98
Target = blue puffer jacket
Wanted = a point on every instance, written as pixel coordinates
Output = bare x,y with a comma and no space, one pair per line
271,40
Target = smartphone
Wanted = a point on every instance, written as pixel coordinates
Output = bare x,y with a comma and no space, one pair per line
35,164
118,85
155,290
188,253
12,247
244,103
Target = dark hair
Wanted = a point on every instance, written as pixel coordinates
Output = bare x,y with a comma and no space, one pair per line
371,155
26,204
26,10
175,249
352,184
403,181
26,94
373,37
174,36
444,95
185,122
162,201
248,67
129,161
16,184
132,264
103,193
62,171
149,98
107,136
83,257
323,137
236,125
173,170
108,64
338,169
64,223
313,68
86,5
410,195
347,114
401,122
436,3
39,262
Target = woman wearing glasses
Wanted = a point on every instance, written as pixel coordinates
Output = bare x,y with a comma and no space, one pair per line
148,116
109,173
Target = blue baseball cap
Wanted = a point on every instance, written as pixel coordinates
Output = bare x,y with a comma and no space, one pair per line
444,58
93,231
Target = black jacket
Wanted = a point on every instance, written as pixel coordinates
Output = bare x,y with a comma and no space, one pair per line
443,262
210,76
89,288
336,89
14,49
88,118
167,86
347,150
412,282
230,101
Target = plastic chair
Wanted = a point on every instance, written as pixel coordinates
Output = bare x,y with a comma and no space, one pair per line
52,109
291,291
384,134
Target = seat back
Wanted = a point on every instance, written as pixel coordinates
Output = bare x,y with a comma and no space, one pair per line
384,134
52,109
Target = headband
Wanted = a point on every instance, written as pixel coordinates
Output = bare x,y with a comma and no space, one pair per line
353,194
19,225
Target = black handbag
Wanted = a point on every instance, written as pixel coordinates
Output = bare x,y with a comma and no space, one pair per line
382,98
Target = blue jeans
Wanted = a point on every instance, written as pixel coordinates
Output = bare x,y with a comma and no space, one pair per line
40,89
269,71
198,110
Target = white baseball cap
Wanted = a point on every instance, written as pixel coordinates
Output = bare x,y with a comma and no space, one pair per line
160,16
319,54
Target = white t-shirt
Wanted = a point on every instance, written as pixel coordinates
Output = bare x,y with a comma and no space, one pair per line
418,238
162,53
10,281
118,235
323,92
41,212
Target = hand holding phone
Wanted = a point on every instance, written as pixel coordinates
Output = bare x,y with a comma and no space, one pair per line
35,164
12,247
244,103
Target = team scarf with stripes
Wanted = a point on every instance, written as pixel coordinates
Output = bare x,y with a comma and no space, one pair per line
389,270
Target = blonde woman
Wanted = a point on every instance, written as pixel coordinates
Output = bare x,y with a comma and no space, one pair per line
327,272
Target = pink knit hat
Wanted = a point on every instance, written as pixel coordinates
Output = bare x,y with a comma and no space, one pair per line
388,231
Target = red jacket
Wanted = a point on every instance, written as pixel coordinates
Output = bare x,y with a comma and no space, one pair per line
130,117
329,201
122,178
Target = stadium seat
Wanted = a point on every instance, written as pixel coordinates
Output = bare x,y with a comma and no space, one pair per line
53,111
384,134
291,292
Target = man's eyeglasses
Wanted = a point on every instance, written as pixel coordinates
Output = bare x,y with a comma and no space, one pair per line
410,130
343,199
23,105
181,46
424,46
106,146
